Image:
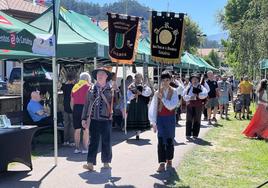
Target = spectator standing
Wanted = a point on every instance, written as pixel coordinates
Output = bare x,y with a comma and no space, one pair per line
78,99
212,103
68,113
245,88
225,90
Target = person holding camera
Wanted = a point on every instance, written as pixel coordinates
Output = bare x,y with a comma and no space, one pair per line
138,95
194,94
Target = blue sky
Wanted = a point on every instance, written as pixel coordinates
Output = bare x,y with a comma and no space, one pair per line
202,12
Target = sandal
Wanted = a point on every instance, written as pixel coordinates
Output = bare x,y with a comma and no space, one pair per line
169,164
161,168
106,165
89,167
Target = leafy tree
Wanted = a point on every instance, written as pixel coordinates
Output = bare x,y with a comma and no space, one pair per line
247,22
191,39
213,58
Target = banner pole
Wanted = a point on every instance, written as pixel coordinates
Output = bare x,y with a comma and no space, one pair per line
125,97
95,62
113,92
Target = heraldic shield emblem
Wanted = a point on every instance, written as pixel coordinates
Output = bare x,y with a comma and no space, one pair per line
123,36
119,40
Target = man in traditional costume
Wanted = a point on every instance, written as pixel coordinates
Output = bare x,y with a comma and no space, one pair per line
138,95
97,116
194,94
163,119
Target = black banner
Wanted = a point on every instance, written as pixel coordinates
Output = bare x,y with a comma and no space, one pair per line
167,31
124,32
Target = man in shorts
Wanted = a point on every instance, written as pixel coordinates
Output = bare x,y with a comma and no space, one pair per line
212,102
245,88
225,90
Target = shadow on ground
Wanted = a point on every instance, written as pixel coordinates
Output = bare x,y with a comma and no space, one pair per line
140,142
201,142
15,179
45,148
102,177
168,178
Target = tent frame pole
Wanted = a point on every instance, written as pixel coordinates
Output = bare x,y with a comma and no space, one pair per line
55,96
21,85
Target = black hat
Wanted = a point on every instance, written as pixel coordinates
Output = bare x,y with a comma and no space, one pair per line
105,69
195,75
166,74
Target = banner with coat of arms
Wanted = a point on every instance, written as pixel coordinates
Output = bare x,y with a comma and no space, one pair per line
124,32
167,31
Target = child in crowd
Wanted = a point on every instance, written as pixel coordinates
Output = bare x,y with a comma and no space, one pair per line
238,106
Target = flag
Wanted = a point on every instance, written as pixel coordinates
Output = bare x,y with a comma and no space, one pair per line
124,32
42,2
167,31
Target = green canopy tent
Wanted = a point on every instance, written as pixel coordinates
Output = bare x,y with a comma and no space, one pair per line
70,43
13,54
86,28
264,66
203,65
16,35
189,62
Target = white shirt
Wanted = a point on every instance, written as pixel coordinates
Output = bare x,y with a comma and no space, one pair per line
187,96
146,92
169,104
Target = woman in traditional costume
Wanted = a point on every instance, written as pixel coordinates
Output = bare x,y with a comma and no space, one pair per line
138,97
258,126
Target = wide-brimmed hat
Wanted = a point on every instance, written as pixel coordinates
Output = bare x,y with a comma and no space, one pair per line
105,69
195,75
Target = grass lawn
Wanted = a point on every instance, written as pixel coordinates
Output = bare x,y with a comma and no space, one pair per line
232,161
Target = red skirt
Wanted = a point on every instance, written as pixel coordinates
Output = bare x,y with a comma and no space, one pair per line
258,126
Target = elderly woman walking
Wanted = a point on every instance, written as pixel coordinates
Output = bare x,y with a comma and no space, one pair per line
78,99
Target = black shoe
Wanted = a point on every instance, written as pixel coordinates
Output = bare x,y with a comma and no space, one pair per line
248,117
137,137
188,138
243,117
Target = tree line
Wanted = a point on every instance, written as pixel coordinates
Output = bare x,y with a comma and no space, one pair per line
94,10
247,22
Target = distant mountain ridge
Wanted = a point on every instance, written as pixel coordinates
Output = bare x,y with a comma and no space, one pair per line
218,37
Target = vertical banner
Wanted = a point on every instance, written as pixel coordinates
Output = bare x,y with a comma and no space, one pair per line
124,33
167,30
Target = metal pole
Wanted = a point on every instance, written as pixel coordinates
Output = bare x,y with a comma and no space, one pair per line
21,86
180,72
95,63
188,71
125,97
265,73
158,76
55,101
